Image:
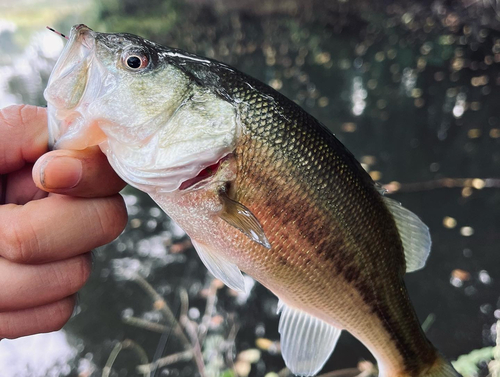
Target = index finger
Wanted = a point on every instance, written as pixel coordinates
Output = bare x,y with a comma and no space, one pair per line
59,227
23,136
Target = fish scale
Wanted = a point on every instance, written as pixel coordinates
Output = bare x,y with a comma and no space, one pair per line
325,179
260,186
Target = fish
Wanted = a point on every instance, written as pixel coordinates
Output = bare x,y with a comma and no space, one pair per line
260,186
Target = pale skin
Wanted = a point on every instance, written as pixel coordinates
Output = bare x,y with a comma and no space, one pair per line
57,206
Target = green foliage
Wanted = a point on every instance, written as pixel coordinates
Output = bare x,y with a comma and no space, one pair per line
151,18
228,373
467,365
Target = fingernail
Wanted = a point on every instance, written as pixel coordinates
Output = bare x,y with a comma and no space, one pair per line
61,173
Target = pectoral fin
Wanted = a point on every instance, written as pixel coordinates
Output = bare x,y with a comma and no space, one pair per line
223,270
239,216
306,341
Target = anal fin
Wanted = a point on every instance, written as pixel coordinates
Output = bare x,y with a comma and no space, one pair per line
223,270
306,341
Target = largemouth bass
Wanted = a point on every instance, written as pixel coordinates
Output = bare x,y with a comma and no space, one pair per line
259,185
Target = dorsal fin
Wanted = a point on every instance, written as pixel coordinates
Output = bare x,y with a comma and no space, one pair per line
414,235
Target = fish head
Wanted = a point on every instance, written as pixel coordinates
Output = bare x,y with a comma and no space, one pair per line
131,97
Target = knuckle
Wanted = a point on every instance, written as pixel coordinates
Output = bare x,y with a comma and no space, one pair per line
73,276
121,214
16,118
83,269
8,328
47,318
61,313
19,243
112,218
10,117
64,310
25,112
14,121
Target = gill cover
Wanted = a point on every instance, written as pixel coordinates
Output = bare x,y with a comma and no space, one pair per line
157,128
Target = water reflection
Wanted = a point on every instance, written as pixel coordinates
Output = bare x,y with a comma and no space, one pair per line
42,355
24,73
358,96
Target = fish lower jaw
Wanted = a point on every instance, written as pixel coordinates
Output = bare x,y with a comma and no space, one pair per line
70,129
87,137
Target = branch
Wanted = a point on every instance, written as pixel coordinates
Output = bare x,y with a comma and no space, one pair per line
190,328
145,324
164,361
160,304
127,343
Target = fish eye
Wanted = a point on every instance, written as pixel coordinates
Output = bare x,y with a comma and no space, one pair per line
133,62
136,62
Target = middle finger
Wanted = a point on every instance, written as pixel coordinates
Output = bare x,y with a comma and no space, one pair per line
59,227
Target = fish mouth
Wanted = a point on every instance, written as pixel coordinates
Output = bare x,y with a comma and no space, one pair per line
69,77
73,84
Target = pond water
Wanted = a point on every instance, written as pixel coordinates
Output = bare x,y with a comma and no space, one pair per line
411,88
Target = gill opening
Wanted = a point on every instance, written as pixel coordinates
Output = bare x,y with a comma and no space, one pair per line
206,173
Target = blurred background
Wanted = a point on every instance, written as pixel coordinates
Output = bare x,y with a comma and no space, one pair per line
412,88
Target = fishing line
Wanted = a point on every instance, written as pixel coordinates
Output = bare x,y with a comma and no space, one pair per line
57,32
162,344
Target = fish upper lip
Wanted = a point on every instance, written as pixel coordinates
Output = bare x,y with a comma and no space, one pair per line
80,26
70,73
75,57
83,34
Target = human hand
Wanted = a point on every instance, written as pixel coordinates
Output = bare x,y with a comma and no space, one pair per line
45,238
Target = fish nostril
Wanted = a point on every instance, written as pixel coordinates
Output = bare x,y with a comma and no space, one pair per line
81,28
